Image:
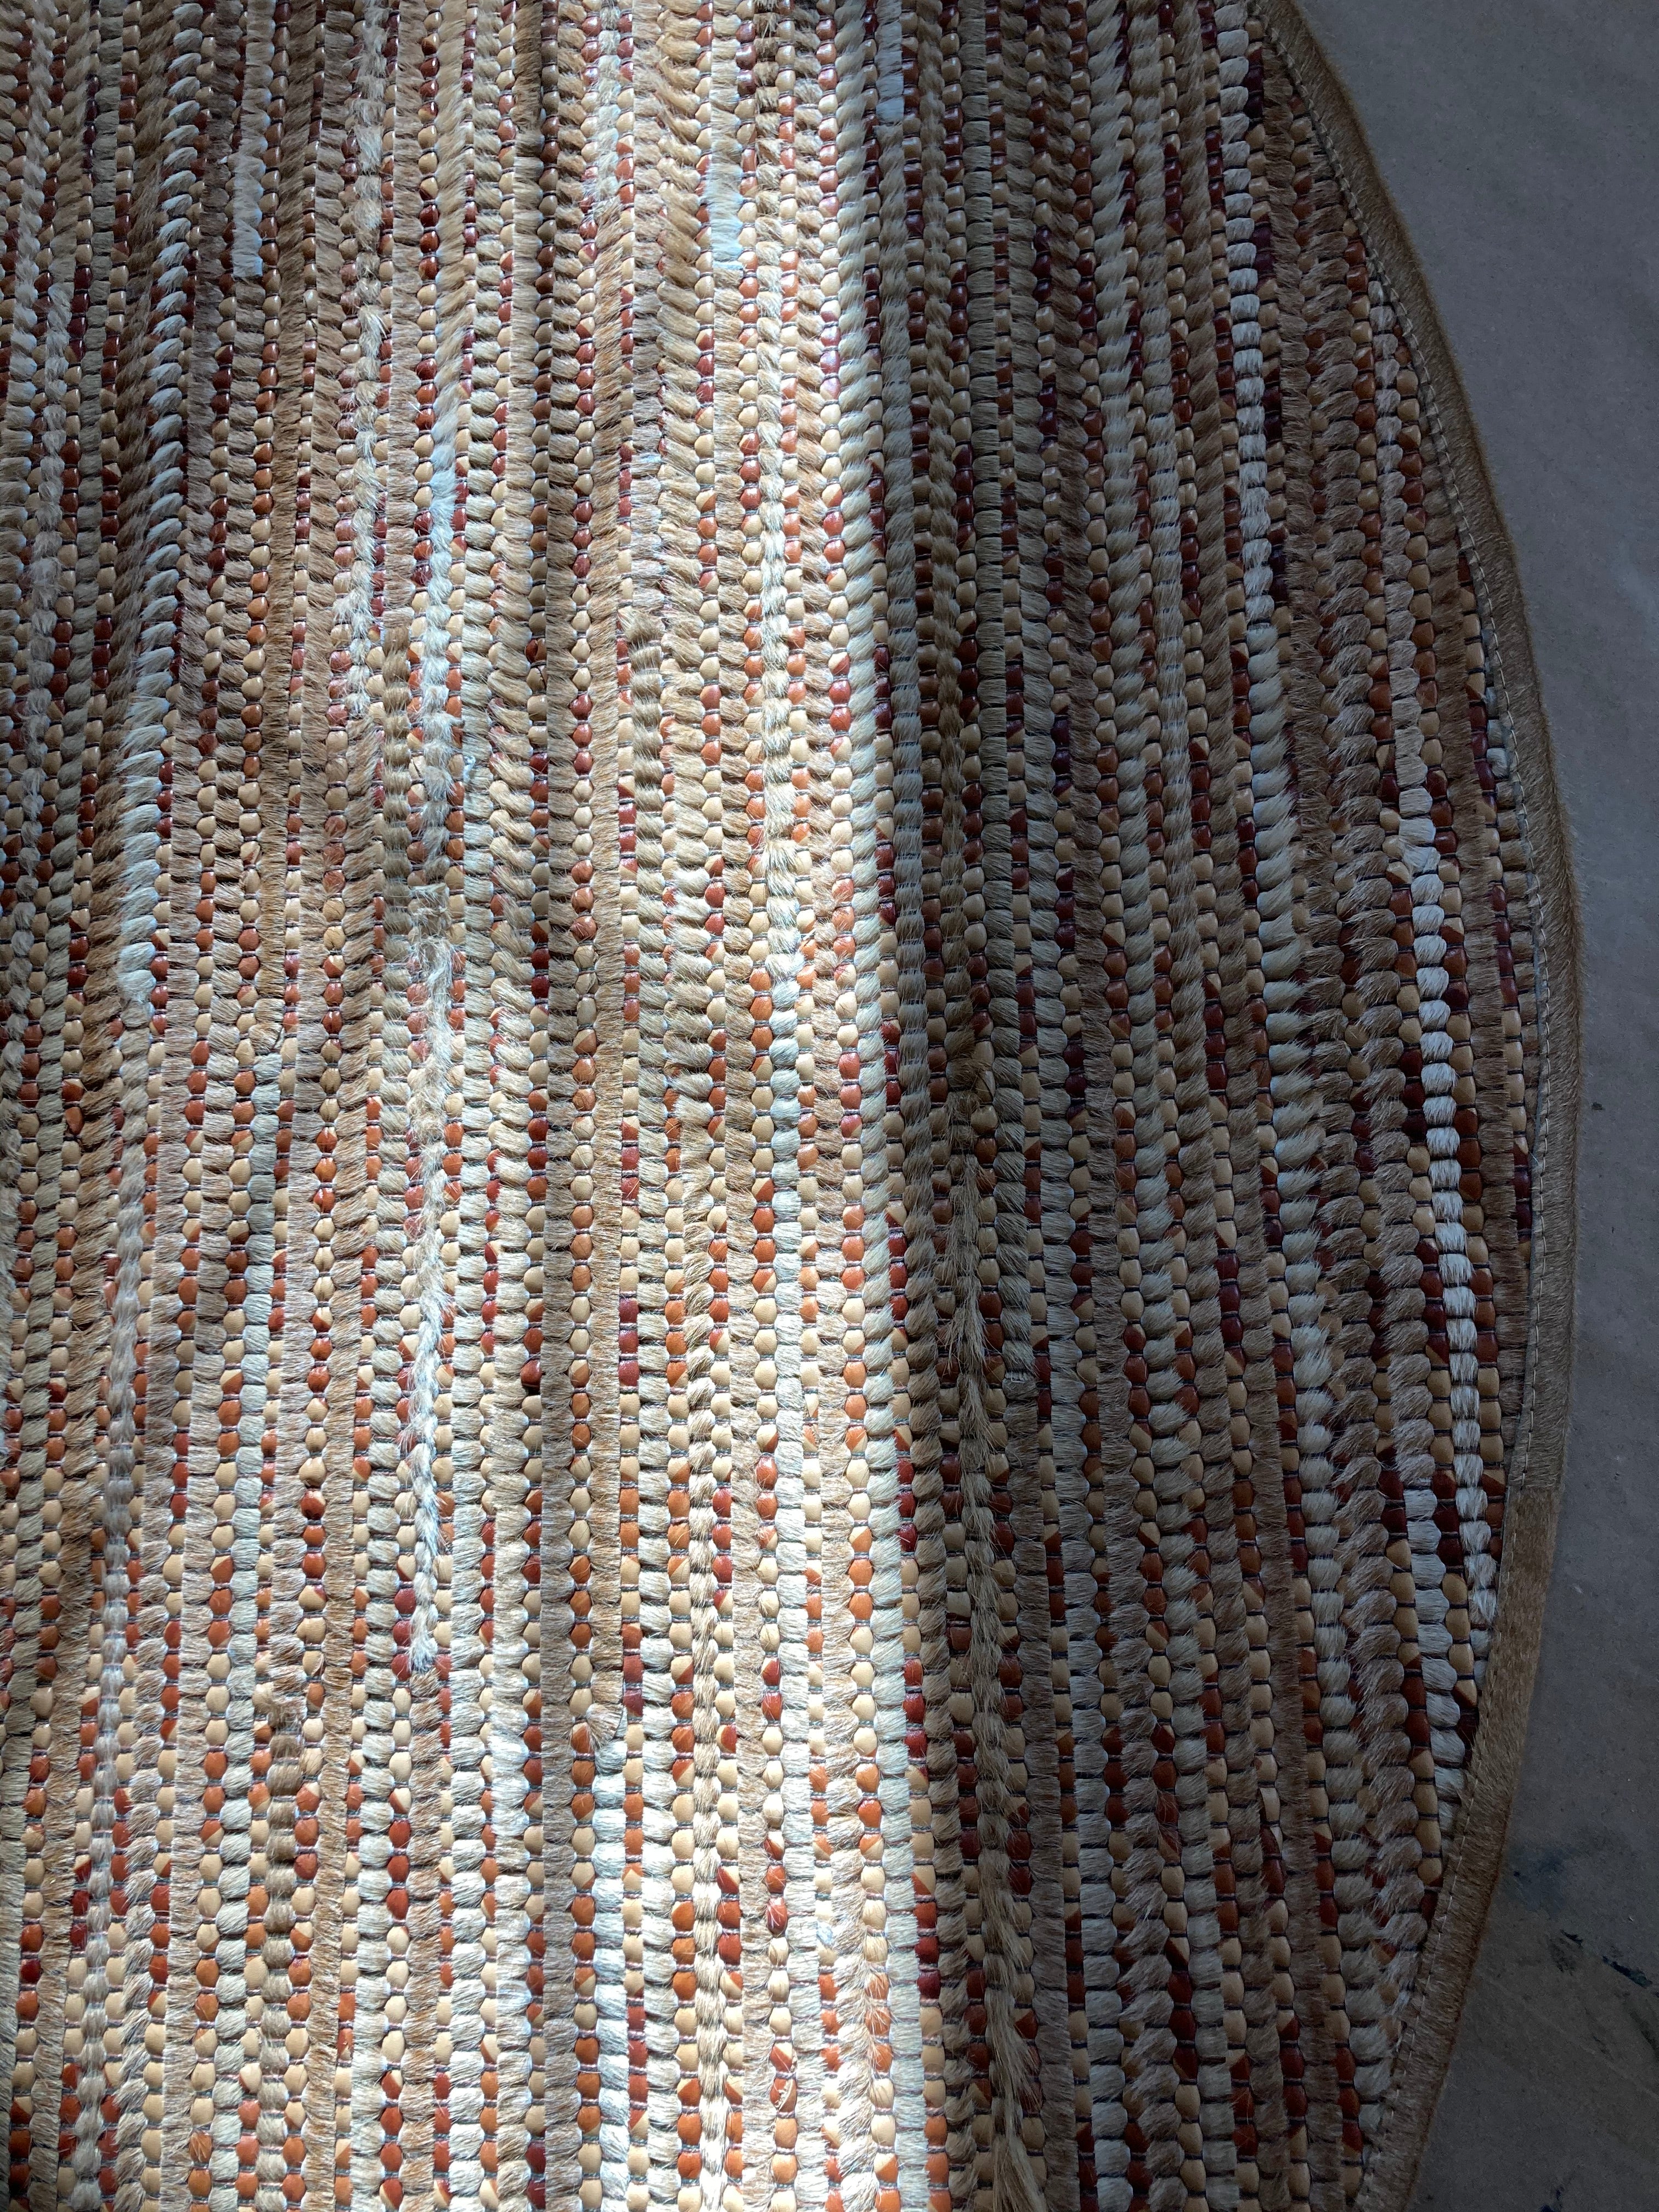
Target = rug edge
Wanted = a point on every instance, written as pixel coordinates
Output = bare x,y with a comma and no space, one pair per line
1538,1465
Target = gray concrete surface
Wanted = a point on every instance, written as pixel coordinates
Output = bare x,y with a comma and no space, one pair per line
1518,138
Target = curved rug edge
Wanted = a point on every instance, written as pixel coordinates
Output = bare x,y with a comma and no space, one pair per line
1538,1467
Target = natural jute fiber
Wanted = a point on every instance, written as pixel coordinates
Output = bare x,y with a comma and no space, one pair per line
786,1115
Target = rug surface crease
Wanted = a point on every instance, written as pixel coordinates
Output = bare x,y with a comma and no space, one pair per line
782,922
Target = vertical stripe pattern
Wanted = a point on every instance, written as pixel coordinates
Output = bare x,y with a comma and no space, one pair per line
771,1061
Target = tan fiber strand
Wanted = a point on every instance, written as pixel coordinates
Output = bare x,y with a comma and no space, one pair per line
787,1062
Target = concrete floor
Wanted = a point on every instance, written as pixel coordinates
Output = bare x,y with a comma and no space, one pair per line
1518,139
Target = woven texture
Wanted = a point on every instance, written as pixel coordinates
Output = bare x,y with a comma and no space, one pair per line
770,1060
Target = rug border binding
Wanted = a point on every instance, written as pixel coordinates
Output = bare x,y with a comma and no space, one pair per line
1537,1465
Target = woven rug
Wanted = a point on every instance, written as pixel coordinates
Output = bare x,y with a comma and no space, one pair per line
785,1115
